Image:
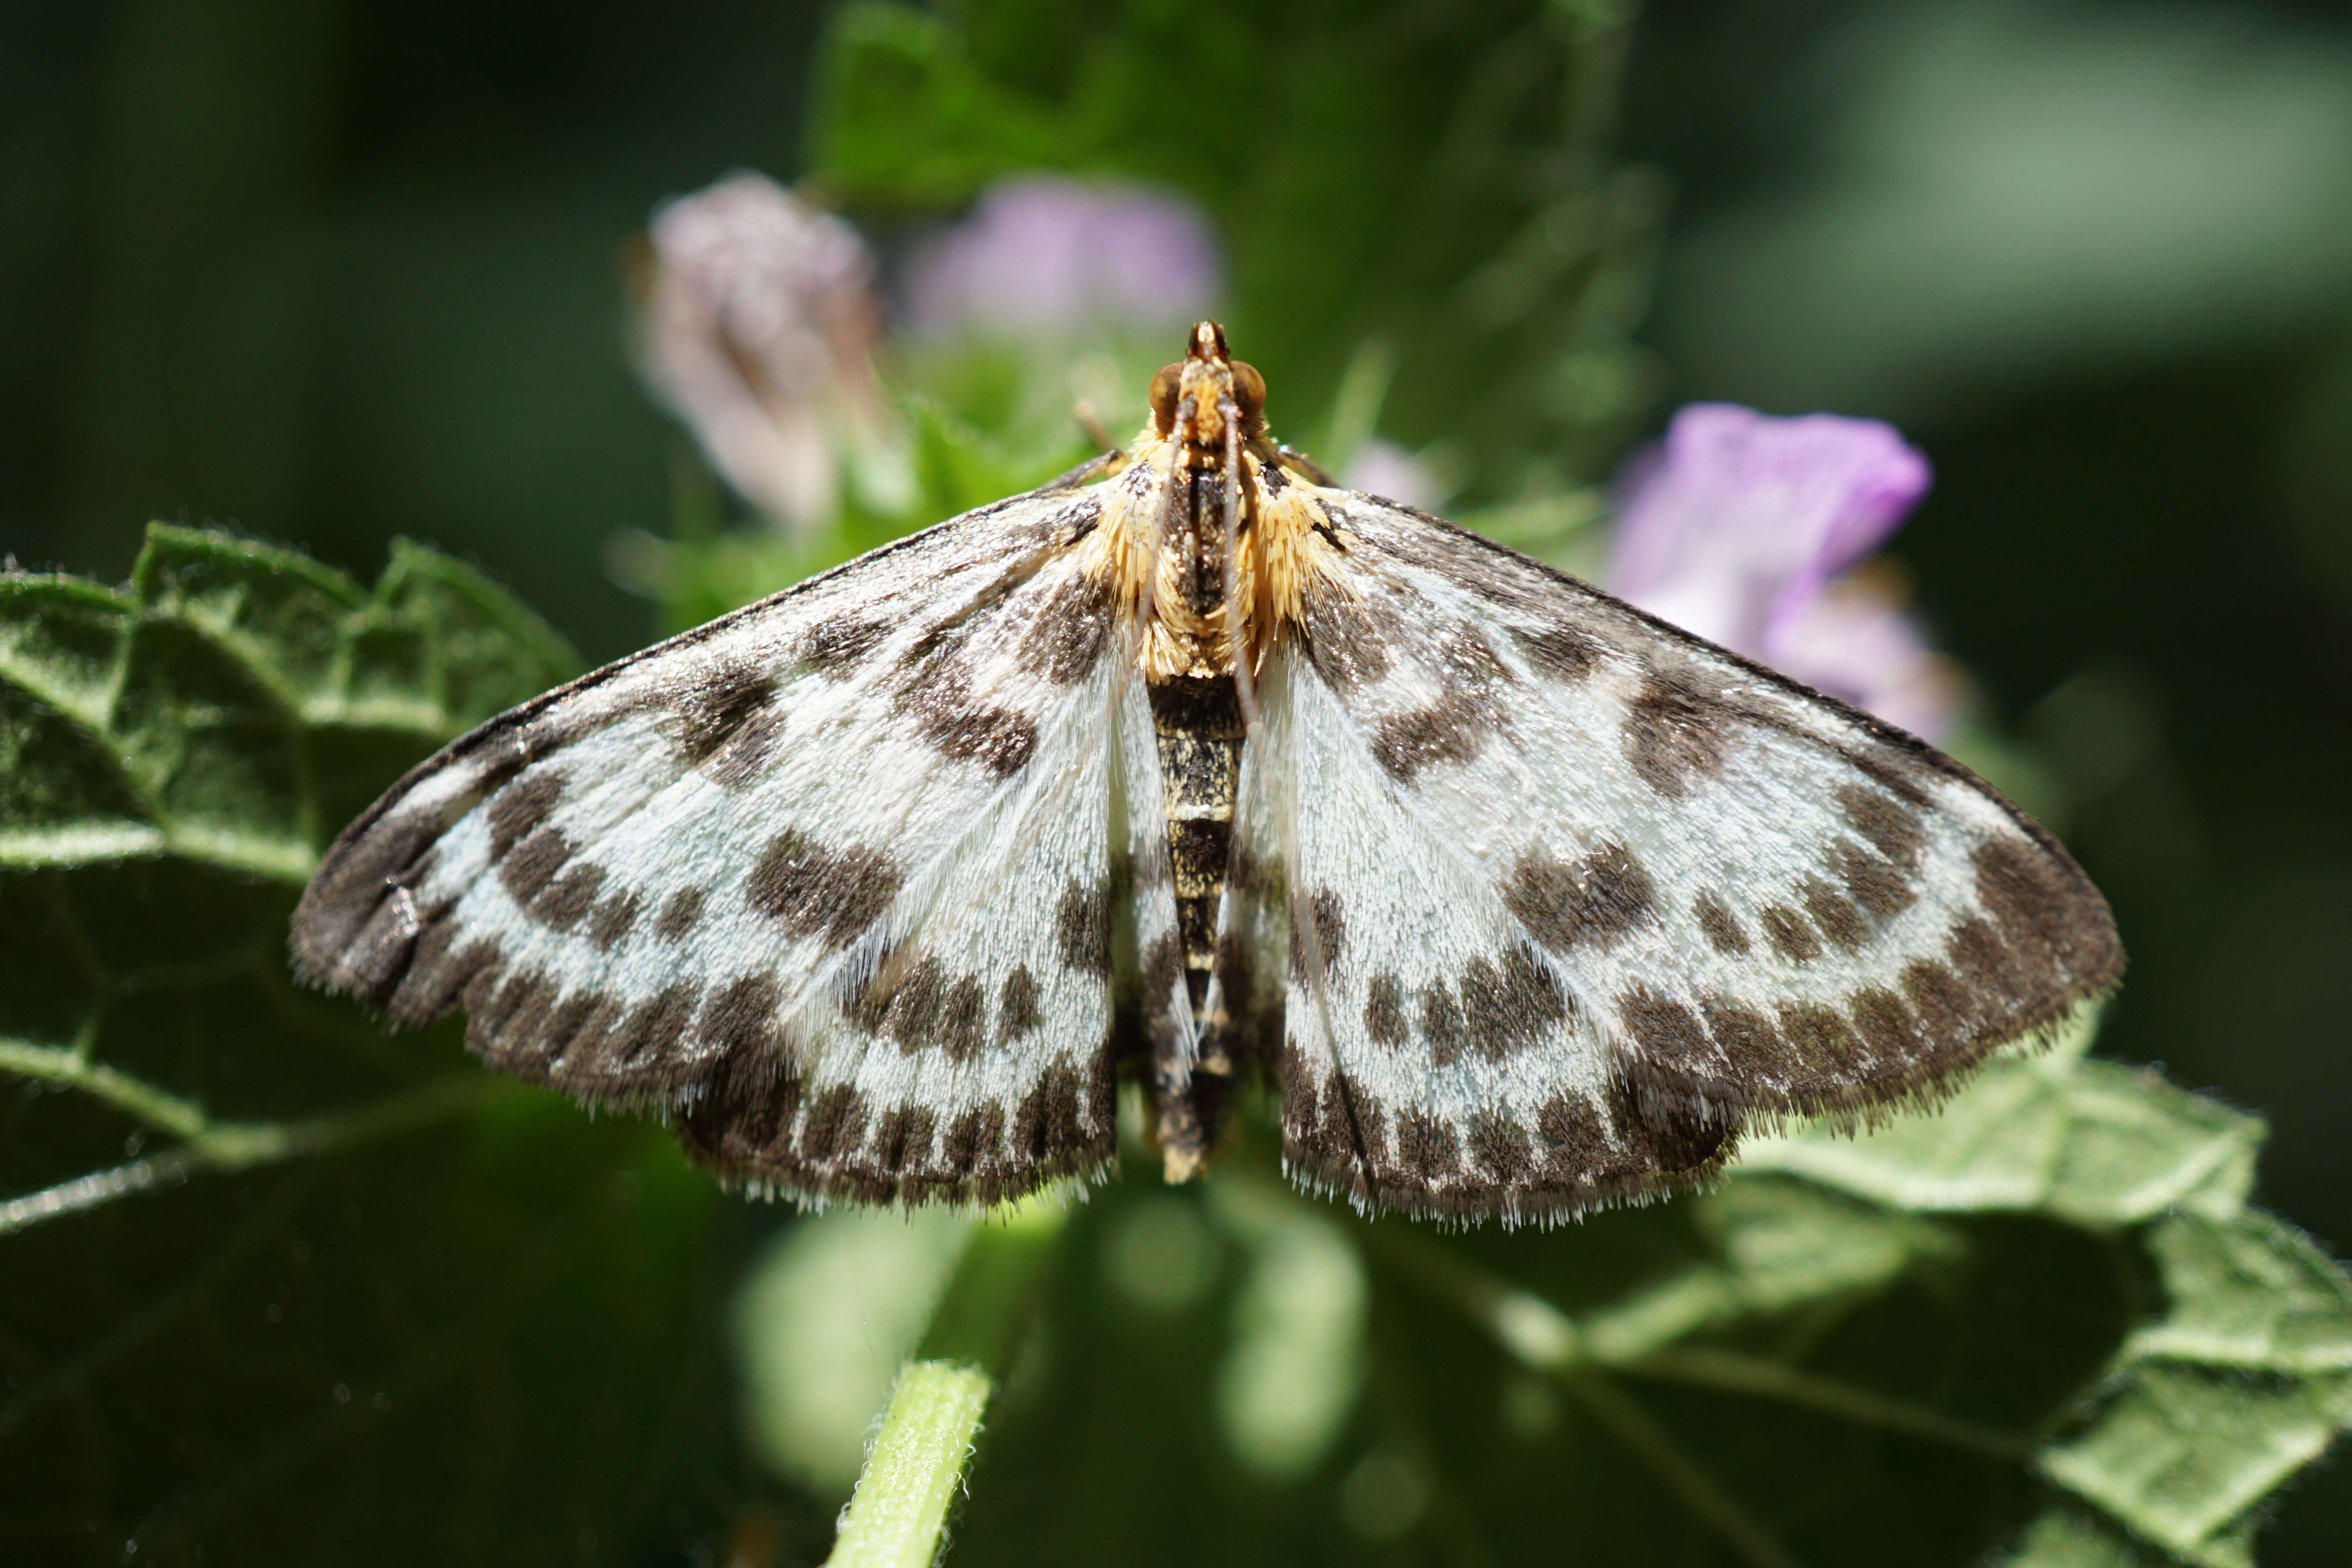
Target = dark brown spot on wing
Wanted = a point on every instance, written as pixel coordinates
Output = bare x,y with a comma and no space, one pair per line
1164,968
1603,897
1082,928
1018,1009
812,889
1441,1024
680,913
1947,1008
975,1138
1790,937
1896,828
1893,772
1977,950
1330,924
902,1139
752,1093
748,751
440,969
1344,640
963,1018
1751,1045
1046,1128
566,901
1886,1028
1560,653
957,724
1822,1041
1384,1021
516,1012
1879,886
1454,729
837,645
1500,1148
532,863
2048,914
615,917
655,1027
1573,1141
1668,1032
1427,1148
741,1015
1838,918
518,811
1723,929
1509,1005
1666,1138
1678,731
718,704
835,1125
1067,632
911,1015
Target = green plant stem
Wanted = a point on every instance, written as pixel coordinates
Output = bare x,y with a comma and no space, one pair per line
1732,1372
900,1506
898,1515
1681,1474
218,1147
73,1068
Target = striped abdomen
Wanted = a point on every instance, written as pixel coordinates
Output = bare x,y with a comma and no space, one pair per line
1198,722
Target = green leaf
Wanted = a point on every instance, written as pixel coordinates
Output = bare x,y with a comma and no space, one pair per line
1432,178
282,1286
2038,1326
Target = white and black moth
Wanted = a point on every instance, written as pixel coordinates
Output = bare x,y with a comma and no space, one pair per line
1192,766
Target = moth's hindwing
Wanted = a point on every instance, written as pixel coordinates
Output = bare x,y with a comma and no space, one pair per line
827,880
1590,894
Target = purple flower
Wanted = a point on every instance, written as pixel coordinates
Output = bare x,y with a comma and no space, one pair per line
1384,468
756,320
1744,529
1049,252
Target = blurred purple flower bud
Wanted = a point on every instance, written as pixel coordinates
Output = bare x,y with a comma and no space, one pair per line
1384,468
1047,252
1738,528
756,315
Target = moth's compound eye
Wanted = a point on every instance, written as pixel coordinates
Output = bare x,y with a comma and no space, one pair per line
1164,387
1249,392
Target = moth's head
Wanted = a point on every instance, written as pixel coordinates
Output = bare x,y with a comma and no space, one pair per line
1194,399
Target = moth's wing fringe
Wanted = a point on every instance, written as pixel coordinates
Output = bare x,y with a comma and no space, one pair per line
1540,1206
1927,1084
1544,1206
1065,1182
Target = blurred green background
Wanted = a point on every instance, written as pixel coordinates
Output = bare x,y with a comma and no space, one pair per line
338,270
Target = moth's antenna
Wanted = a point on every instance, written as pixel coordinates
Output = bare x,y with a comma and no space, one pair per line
1090,421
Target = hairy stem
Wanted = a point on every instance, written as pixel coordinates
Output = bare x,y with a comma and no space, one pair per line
900,1508
897,1518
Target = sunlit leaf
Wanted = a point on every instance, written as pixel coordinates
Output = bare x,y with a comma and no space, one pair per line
280,1285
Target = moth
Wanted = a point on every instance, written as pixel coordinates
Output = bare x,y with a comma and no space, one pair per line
1193,768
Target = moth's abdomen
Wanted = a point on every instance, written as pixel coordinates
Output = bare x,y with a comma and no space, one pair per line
1197,721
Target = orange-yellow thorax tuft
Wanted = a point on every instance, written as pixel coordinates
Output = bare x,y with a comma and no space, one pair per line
1207,531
